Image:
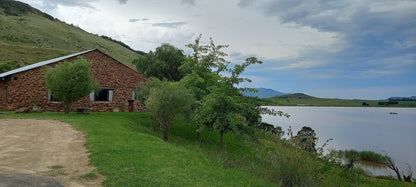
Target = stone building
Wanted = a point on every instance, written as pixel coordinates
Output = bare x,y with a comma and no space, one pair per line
25,86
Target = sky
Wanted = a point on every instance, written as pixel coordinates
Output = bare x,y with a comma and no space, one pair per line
355,49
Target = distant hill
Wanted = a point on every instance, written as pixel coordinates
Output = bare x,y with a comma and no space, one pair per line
264,93
28,35
301,99
294,96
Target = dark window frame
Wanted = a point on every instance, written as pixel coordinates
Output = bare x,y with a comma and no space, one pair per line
51,98
102,95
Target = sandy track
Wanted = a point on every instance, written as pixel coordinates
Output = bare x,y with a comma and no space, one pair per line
48,148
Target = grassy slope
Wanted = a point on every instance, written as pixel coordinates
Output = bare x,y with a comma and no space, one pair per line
128,157
128,152
302,99
31,37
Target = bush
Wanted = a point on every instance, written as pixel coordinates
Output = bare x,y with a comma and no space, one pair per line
8,65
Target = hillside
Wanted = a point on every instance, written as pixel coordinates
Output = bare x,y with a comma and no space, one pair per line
264,93
300,99
294,96
28,35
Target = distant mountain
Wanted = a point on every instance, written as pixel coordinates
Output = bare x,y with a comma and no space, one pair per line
264,93
28,35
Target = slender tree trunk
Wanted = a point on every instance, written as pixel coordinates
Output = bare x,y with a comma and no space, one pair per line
166,132
197,132
390,164
154,125
221,135
67,107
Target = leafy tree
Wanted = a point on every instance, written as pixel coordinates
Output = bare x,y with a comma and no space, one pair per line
164,63
149,65
306,139
199,69
164,101
143,92
70,81
173,58
218,112
278,131
220,106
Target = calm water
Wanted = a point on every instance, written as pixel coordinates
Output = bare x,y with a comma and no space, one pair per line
358,128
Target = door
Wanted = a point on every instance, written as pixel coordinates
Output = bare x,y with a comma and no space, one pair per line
3,96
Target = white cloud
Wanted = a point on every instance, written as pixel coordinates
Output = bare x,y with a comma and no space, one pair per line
301,64
171,25
318,39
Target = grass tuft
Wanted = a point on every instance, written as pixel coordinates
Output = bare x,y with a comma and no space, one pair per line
88,176
55,170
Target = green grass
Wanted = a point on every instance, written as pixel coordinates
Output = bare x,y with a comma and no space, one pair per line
128,157
126,150
25,55
87,176
305,100
55,170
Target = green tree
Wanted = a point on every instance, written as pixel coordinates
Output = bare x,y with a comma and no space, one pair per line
220,106
70,81
143,92
174,58
164,101
218,112
200,76
150,66
164,63
306,139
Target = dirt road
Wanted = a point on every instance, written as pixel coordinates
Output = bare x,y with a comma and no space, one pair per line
37,151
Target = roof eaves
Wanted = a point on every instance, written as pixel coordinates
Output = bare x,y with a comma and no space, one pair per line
43,63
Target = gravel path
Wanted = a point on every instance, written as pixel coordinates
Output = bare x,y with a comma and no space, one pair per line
43,153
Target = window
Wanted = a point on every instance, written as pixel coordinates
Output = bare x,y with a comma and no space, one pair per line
102,95
134,94
52,98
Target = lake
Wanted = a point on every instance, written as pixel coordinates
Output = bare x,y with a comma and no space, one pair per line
359,128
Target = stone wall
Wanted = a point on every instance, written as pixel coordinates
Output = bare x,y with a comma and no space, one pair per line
22,87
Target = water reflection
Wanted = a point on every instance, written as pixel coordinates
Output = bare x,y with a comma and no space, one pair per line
359,128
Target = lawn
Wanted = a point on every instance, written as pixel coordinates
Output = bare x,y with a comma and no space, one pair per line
128,153
126,150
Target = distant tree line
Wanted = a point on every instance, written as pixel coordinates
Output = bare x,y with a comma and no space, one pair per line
388,102
122,44
413,98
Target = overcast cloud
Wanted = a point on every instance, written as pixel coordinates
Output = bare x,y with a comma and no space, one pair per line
344,49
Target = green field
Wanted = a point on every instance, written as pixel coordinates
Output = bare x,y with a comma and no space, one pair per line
127,151
306,100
